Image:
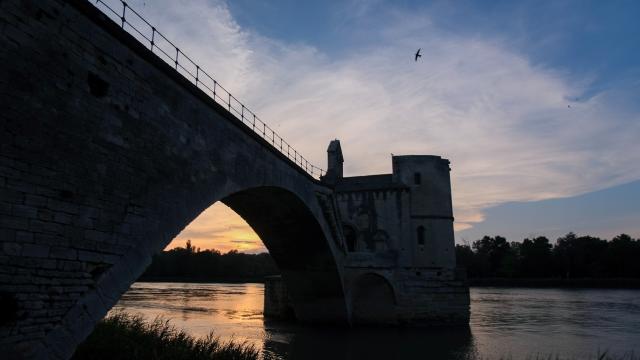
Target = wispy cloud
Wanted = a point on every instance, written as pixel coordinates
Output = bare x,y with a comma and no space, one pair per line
512,129
248,242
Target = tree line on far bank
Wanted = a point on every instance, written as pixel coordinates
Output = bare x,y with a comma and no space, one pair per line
192,264
571,257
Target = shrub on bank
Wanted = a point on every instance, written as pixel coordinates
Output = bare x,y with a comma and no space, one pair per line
126,336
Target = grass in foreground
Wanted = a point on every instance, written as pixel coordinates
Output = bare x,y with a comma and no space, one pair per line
126,336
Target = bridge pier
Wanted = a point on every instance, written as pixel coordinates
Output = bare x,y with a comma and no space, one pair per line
277,303
416,300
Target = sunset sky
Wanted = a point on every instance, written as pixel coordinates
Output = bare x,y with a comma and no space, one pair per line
535,104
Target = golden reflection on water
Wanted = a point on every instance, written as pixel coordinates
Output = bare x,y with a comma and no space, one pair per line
230,310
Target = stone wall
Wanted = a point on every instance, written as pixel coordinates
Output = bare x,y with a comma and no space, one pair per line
105,155
377,218
430,209
422,297
432,297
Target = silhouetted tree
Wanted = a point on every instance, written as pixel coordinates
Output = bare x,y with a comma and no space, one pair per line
465,257
580,256
571,257
622,257
495,256
535,258
190,263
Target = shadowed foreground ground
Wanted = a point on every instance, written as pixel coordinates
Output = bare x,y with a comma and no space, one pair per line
125,336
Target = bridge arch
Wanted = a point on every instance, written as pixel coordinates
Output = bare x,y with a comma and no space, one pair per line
298,245
295,234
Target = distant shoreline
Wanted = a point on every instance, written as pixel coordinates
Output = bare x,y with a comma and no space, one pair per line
585,283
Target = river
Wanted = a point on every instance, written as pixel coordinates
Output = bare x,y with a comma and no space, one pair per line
509,323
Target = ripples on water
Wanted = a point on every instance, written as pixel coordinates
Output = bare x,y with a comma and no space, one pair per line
505,322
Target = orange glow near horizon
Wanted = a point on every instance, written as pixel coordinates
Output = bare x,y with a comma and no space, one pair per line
220,228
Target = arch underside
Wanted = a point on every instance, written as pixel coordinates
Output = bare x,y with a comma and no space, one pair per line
296,241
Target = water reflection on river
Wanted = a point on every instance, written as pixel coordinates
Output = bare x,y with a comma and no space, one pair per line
505,322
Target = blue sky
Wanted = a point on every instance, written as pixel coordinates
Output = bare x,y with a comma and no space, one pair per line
583,38
535,103
577,35
605,213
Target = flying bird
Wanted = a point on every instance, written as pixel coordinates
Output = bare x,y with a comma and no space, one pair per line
418,54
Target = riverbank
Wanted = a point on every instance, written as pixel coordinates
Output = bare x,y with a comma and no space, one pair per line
585,283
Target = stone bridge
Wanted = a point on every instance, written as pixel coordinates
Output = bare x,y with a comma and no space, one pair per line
107,153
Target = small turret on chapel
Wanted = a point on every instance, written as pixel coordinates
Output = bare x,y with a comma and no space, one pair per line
334,163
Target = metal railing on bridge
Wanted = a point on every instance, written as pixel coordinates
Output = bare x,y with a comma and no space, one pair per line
184,65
